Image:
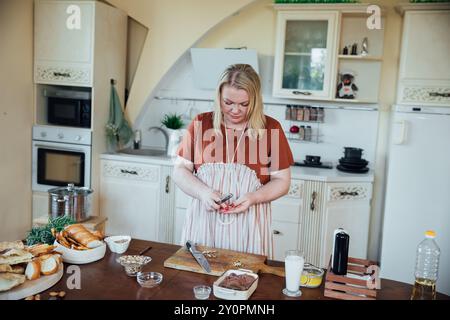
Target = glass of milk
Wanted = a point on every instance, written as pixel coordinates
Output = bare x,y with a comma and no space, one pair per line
293,265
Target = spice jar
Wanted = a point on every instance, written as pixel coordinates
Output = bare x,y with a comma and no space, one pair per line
307,114
294,113
308,133
313,115
288,112
320,115
301,133
300,113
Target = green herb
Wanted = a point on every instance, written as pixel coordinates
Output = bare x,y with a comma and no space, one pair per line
172,121
43,234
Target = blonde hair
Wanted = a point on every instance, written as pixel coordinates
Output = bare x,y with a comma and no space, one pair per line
242,76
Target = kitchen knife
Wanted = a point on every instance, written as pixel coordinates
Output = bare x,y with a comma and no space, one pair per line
225,198
198,256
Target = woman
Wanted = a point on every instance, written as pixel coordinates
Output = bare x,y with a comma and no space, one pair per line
235,149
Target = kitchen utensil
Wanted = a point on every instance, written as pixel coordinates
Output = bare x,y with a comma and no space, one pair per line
202,292
72,201
149,279
118,244
223,261
225,198
322,165
198,256
145,250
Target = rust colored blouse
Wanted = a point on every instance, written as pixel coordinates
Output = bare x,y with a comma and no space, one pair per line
264,155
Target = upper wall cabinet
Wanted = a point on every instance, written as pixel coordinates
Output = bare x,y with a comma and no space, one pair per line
424,77
305,54
64,41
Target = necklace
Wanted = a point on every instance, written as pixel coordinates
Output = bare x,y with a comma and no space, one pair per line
237,146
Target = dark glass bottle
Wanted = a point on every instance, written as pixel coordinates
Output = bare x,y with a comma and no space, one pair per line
340,252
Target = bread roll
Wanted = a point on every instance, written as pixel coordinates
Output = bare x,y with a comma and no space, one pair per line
33,270
49,265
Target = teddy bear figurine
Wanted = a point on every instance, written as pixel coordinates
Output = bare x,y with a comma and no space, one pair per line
346,89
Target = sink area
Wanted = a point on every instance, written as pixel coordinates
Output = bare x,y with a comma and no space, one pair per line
143,152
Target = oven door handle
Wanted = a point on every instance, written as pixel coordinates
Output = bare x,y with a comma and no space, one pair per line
55,148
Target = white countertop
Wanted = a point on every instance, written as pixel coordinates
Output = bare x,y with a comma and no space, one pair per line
303,173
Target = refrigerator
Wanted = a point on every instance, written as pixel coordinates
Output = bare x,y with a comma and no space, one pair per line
417,191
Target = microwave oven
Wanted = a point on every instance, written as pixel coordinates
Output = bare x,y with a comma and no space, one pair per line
68,107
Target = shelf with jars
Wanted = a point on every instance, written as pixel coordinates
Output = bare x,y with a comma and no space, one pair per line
304,123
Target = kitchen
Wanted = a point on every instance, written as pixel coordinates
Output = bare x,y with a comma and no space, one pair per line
163,69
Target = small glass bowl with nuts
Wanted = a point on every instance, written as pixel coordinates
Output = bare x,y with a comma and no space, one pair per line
133,263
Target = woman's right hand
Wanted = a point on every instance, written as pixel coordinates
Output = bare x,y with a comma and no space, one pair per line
209,200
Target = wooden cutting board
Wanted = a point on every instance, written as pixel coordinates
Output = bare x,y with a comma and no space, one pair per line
224,260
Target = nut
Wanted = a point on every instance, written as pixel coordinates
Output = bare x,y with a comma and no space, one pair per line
37,297
29,298
62,294
53,294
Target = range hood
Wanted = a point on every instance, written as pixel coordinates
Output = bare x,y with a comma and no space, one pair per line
210,63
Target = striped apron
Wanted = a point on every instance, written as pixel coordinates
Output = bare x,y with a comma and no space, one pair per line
249,231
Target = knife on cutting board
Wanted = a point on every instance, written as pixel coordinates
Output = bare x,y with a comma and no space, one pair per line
198,256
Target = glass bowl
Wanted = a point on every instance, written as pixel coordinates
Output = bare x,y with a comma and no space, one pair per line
149,279
311,276
133,263
202,292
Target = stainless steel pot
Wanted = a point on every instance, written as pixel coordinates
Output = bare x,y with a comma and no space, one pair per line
71,201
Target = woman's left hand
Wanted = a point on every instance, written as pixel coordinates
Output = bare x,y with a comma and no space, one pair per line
242,204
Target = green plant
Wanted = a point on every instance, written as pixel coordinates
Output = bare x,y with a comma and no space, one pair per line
172,121
44,234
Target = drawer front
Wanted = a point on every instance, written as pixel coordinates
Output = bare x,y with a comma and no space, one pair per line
434,95
131,171
285,209
56,74
285,236
349,192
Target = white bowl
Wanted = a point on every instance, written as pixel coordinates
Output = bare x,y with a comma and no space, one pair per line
80,256
118,244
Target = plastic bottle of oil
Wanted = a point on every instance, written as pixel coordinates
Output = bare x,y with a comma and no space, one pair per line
427,265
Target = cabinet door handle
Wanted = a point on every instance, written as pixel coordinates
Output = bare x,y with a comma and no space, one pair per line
313,201
61,74
305,93
345,193
276,232
129,172
438,94
167,184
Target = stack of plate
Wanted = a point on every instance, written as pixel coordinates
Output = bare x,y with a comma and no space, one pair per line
353,164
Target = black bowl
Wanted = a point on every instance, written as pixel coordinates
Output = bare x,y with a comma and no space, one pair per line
353,162
352,153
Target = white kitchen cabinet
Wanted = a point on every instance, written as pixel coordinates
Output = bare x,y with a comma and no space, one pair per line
424,76
71,36
347,207
286,220
182,201
305,54
130,198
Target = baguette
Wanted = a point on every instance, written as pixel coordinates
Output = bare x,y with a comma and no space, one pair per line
83,236
33,270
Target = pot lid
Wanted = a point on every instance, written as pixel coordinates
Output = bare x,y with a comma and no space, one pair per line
70,190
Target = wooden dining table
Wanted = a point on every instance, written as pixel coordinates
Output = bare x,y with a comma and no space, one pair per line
106,280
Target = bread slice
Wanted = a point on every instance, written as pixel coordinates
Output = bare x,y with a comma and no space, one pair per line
11,245
40,249
49,265
15,256
33,270
10,280
83,236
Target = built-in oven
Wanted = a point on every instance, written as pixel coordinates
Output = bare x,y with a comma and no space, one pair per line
60,156
68,106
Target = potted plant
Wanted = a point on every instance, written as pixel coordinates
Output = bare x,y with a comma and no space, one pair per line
174,124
